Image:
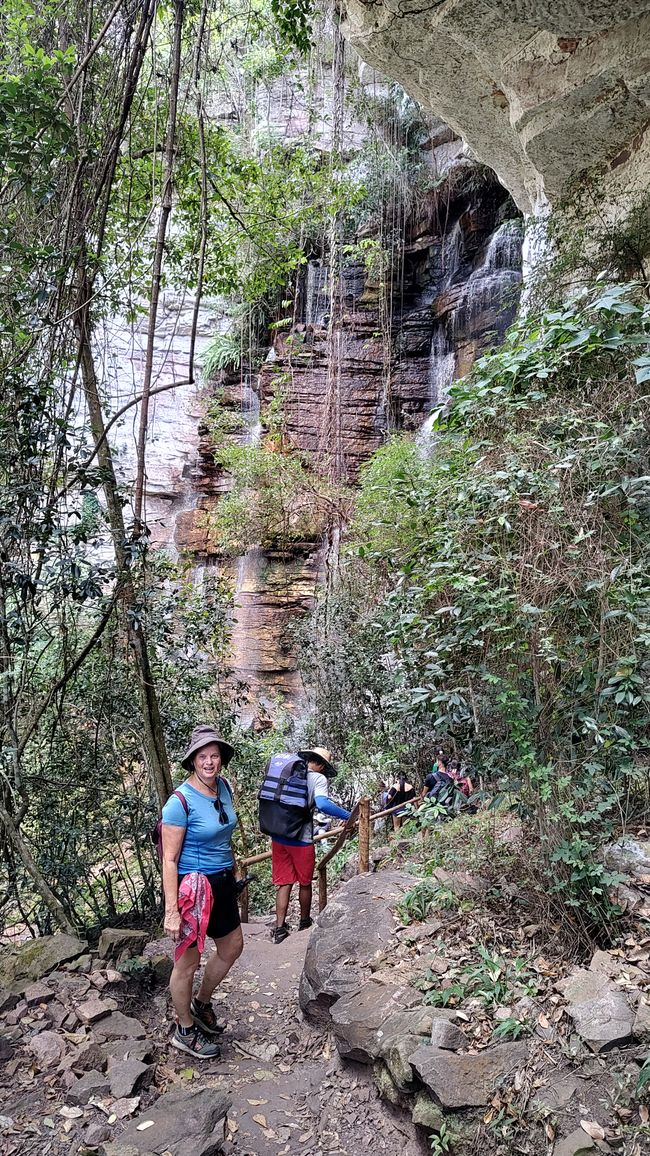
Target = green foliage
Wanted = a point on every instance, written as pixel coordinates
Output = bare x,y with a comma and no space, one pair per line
441,1141
510,1029
501,586
223,352
293,18
493,978
644,1076
424,898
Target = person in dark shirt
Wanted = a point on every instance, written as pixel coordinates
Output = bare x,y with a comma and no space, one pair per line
439,783
401,792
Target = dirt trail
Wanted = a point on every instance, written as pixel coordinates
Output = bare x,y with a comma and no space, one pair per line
290,1091
291,1094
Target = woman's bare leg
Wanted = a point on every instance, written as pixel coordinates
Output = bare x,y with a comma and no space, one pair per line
180,984
228,950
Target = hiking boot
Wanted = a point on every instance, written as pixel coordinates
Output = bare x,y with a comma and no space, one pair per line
305,923
195,1044
280,933
204,1018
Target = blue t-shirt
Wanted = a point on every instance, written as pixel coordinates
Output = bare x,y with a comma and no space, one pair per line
206,846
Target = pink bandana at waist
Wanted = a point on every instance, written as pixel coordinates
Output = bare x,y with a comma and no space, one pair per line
195,905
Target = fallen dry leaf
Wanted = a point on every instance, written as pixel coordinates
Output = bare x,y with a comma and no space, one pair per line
144,1125
593,1129
261,1120
256,1103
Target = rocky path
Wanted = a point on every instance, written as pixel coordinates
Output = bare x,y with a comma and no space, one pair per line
85,1064
290,1091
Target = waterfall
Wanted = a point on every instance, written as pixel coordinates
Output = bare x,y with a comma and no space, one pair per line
442,365
318,298
504,247
491,293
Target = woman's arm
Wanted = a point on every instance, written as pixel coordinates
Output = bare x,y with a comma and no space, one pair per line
172,838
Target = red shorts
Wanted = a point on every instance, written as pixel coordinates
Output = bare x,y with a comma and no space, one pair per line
292,864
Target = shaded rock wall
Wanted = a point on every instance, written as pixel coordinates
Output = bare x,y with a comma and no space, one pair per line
540,91
454,292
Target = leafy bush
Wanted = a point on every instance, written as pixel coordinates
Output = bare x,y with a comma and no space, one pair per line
503,586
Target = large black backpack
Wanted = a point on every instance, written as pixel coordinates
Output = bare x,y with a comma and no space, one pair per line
284,797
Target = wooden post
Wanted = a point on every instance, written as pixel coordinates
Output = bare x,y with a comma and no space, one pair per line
322,888
364,835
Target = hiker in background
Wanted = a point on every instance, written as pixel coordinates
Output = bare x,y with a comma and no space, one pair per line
462,781
198,821
401,792
294,860
439,784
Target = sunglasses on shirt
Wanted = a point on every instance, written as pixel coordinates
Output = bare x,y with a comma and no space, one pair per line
219,807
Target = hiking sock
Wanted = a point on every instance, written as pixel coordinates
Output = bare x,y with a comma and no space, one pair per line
202,1004
185,1031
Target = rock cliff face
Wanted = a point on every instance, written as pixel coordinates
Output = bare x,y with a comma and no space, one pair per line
541,91
453,293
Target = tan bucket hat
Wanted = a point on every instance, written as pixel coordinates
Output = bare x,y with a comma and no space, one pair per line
201,736
322,755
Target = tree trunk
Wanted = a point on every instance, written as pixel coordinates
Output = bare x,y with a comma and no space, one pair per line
154,739
40,886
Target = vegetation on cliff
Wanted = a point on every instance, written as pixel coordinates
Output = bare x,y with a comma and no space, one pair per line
495,593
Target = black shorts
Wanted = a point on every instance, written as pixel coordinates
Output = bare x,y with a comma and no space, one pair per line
224,916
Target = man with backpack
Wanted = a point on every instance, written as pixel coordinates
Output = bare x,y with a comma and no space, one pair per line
294,786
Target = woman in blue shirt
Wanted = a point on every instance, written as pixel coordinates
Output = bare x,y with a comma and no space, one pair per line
197,836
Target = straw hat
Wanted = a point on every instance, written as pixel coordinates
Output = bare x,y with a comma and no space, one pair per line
201,736
320,755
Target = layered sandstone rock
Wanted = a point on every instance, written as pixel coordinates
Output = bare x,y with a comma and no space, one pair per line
541,91
455,292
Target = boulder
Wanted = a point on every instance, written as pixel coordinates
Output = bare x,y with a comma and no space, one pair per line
603,963
115,1051
21,966
463,884
85,1058
556,1095
8,1000
467,1081
427,1114
599,1010
575,1144
82,964
641,1025
38,993
358,1018
96,1133
162,966
117,1026
90,1084
384,1083
186,1122
47,1048
119,943
629,856
127,1076
448,1036
95,1009
402,1034
355,928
